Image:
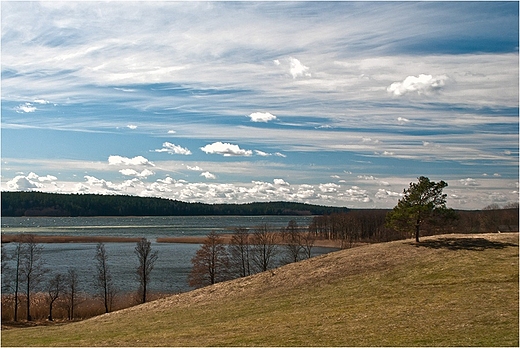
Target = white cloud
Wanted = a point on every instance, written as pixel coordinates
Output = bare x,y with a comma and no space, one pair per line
171,131
135,161
261,153
132,172
41,101
469,182
367,177
384,194
225,149
173,149
132,126
281,182
22,183
402,120
47,178
280,154
420,84
298,69
329,187
356,194
262,117
27,107
276,62
196,168
208,175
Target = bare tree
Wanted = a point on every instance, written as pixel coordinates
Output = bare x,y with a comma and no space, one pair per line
71,291
11,276
32,268
239,253
210,263
104,282
55,289
264,248
147,259
308,239
293,242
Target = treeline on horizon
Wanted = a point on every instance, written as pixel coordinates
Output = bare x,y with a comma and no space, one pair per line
16,204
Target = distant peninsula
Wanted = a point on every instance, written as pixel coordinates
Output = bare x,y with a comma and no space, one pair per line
57,204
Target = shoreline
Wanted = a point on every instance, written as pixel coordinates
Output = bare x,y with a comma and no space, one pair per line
69,239
226,238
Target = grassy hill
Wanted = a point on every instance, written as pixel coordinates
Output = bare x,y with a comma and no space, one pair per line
451,290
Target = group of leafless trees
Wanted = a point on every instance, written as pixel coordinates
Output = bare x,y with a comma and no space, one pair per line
369,226
24,274
248,252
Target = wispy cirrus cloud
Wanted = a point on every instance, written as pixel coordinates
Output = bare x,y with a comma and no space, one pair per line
355,95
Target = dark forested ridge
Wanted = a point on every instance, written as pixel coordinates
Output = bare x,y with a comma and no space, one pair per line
54,204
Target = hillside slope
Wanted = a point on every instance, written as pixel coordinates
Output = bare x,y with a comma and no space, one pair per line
451,290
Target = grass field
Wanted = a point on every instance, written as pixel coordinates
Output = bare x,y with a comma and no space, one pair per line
451,290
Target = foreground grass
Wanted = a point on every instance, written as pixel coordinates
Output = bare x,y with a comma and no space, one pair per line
446,291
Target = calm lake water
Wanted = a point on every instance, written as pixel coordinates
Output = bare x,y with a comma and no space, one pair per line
173,264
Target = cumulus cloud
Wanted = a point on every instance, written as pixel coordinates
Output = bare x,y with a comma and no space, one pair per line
226,149
469,182
262,117
297,68
208,175
173,149
132,172
135,161
24,108
417,84
280,154
383,194
22,183
357,194
367,177
132,126
171,131
402,120
196,168
329,187
281,182
41,101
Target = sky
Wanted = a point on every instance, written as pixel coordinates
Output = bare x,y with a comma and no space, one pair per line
330,103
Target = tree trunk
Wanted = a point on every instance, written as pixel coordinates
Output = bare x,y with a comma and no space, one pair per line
417,227
50,311
28,298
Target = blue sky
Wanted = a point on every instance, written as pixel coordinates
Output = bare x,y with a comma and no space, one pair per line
335,103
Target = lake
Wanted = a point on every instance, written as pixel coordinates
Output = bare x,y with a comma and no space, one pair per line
173,264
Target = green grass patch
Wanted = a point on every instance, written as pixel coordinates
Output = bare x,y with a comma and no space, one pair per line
393,294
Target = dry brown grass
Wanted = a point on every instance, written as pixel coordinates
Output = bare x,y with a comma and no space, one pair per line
452,290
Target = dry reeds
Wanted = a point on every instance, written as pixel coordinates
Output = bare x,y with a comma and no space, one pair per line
87,306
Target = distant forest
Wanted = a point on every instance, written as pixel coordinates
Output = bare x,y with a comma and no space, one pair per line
54,204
